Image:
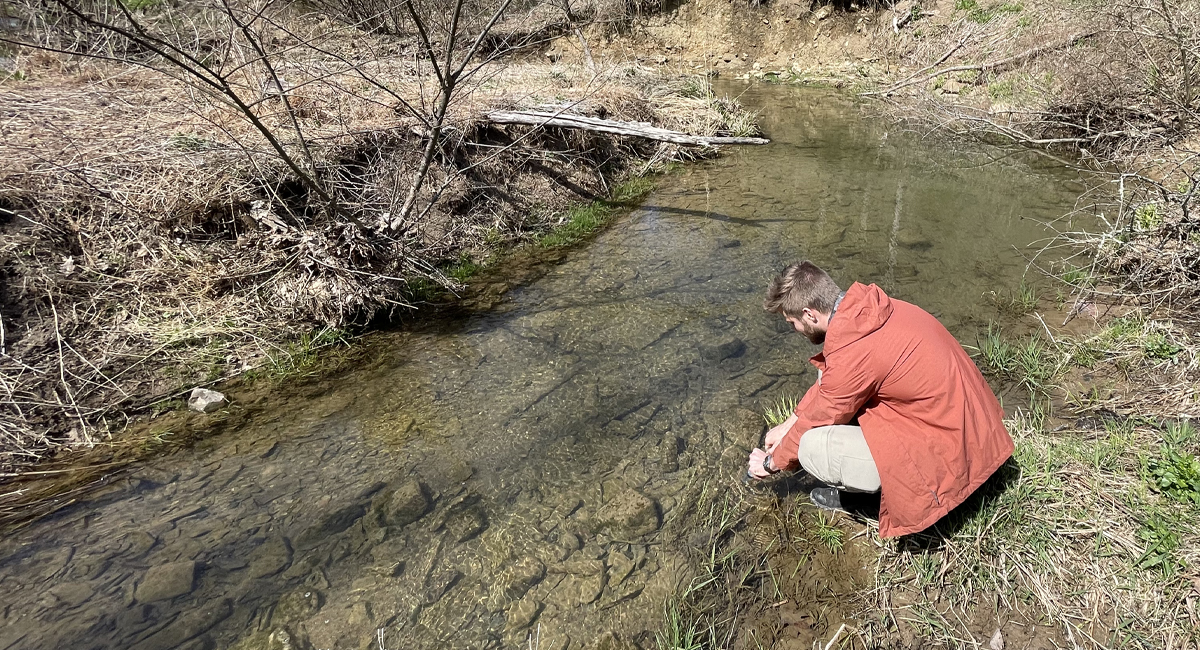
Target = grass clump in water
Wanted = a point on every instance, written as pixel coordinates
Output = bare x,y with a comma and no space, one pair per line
581,221
780,410
829,535
301,358
1031,363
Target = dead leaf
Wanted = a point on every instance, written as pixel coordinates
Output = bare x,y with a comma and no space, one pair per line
997,642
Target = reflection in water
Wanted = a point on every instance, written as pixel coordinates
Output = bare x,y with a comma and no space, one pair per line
525,467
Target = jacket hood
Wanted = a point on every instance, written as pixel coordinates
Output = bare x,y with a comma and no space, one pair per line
863,310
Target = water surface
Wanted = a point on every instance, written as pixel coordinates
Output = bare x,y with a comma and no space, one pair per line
524,467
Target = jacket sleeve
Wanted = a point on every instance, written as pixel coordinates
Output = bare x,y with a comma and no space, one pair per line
837,397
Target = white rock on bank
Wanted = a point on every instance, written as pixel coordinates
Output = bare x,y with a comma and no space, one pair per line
204,400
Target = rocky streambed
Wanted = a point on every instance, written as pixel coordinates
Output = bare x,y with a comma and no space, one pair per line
541,470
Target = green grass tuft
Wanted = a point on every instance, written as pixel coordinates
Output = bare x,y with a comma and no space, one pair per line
999,357
581,221
464,269
829,535
1080,277
983,15
780,410
1147,217
1175,473
300,358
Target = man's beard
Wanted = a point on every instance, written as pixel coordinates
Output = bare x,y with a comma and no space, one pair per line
817,338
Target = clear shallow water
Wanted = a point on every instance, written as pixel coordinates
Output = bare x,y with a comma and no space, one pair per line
548,445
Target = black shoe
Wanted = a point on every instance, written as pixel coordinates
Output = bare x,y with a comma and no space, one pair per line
827,498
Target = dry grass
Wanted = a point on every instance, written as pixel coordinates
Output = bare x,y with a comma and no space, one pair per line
1090,530
1076,540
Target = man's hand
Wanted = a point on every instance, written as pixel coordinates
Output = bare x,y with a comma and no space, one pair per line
776,434
755,467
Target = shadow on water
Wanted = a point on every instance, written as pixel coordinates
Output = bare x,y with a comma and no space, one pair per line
715,216
532,462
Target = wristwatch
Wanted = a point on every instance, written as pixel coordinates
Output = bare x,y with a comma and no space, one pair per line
767,465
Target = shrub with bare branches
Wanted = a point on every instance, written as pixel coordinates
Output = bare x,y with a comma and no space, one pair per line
189,186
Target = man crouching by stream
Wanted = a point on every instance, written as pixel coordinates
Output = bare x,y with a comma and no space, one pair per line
898,406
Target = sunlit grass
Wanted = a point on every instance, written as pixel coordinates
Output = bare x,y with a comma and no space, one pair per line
780,410
829,535
581,221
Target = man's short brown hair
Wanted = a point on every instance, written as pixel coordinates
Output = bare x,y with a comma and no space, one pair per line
801,286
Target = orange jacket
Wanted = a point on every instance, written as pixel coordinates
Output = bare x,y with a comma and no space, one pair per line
931,421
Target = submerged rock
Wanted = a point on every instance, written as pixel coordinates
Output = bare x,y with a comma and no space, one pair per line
731,349
611,641
519,577
189,625
407,504
581,590
280,639
203,400
629,514
297,605
331,524
523,614
166,581
669,454
440,582
272,557
467,524
620,568
73,594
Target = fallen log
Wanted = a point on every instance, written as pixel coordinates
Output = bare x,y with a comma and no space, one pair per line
633,129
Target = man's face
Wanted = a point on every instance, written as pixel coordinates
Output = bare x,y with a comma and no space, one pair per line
808,324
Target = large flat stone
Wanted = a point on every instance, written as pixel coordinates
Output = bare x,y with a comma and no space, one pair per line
629,514
166,581
272,557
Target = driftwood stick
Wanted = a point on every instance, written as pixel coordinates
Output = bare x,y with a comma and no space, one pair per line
949,53
634,129
992,66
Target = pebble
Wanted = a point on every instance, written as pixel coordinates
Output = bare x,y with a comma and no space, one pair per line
203,400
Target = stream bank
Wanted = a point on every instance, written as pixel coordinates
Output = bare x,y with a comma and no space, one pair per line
553,465
150,244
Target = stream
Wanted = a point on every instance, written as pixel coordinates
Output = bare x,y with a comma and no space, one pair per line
518,471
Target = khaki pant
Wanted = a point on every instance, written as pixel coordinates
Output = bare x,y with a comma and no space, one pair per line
838,455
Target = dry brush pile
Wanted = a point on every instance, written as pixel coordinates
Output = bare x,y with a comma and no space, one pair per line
188,188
